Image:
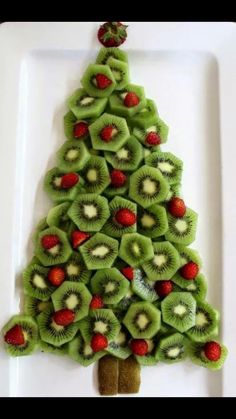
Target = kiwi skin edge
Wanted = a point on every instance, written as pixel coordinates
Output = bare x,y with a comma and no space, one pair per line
129,376
108,375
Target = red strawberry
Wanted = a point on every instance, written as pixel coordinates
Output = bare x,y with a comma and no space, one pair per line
15,336
98,342
107,133
102,81
64,317
80,129
128,272
49,240
78,237
212,351
56,276
189,271
96,302
177,207
112,34
139,347
118,178
69,180
163,288
125,217
153,138
131,99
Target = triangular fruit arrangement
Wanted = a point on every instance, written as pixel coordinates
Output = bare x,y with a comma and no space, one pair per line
113,277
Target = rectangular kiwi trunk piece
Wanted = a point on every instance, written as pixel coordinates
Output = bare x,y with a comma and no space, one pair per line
129,376
108,375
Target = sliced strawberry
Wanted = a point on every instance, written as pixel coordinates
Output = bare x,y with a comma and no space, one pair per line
177,207
139,347
80,129
112,34
69,180
128,272
163,288
153,139
96,302
118,178
98,342
64,317
56,276
78,237
212,351
108,132
15,336
131,100
49,240
189,270
125,217
102,81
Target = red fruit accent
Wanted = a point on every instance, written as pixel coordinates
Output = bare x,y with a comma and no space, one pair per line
56,276
125,217
15,336
102,81
177,207
98,342
118,178
96,302
107,133
78,237
112,34
131,100
80,129
189,271
139,347
153,138
49,240
69,180
163,288
212,351
64,317
128,272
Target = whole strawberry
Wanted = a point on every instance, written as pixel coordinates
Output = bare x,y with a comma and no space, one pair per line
212,351
112,34
102,81
98,342
125,217
78,237
128,272
96,302
15,336
118,178
189,270
152,139
56,276
176,207
139,347
163,288
80,129
64,317
69,180
49,240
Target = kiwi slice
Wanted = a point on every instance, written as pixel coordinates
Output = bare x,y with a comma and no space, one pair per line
111,191
100,321
170,166
42,224
81,352
165,262
206,323
52,185
112,52
99,252
197,287
197,356
120,132
89,212
188,254
96,175
129,376
74,296
35,282
143,287
172,348
179,310
135,249
112,227
76,270
182,230
57,254
91,84
110,284
127,300
57,216
30,332
175,190
70,122
159,127
152,221
142,320
127,157
84,106
52,333
120,71
148,186
33,306
119,346
51,349
72,156
116,101
149,359
146,117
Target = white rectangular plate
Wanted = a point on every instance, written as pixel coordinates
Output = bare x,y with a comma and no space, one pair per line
189,70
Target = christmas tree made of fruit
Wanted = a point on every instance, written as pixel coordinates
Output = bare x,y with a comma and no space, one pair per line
112,271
